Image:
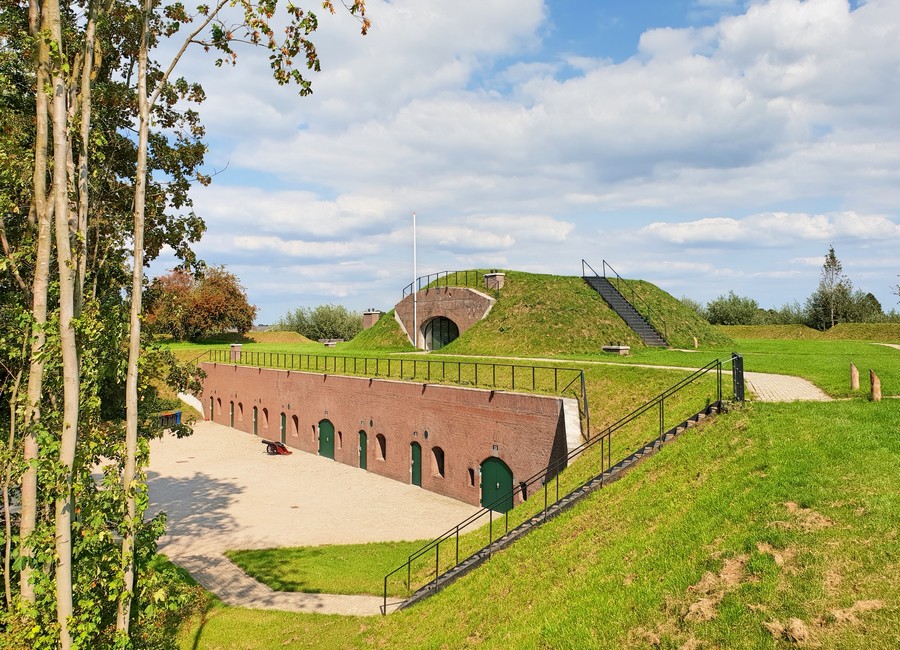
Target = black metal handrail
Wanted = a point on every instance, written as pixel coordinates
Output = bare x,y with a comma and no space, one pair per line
470,278
621,282
604,439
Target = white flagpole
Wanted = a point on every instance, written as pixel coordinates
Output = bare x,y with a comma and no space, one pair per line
415,277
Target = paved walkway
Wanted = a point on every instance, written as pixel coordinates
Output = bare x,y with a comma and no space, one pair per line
221,491
783,388
766,386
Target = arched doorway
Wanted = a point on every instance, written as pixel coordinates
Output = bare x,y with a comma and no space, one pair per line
283,428
439,332
231,414
255,421
326,439
416,463
496,485
363,451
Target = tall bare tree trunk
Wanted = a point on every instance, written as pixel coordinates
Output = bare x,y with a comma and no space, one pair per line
84,102
134,341
44,215
7,479
69,433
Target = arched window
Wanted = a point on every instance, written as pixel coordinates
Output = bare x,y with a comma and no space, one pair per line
265,419
340,440
240,412
437,462
381,447
218,406
296,422
439,332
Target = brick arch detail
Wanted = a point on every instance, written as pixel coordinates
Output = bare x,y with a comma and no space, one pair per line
463,305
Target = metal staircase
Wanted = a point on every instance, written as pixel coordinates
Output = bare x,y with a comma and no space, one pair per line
637,321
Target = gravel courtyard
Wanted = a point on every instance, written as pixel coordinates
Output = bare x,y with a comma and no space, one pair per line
222,491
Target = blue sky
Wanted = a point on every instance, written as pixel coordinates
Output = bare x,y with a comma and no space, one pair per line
703,145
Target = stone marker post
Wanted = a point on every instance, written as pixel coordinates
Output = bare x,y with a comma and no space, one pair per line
854,377
876,386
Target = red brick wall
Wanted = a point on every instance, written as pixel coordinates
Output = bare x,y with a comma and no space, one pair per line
527,430
462,305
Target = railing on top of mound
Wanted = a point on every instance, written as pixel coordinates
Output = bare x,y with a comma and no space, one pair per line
455,567
449,279
626,288
476,374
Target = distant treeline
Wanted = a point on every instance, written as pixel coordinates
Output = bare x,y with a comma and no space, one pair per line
834,301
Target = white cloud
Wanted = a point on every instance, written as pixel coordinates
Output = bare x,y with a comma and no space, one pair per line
766,133
776,229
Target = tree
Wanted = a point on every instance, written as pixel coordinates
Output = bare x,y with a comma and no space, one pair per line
190,307
694,305
732,309
323,322
91,205
831,302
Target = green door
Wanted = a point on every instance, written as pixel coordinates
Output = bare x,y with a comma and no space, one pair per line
326,439
283,428
231,414
416,464
496,485
212,413
363,443
255,421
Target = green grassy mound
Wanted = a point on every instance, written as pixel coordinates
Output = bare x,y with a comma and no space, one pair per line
383,335
772,332
876,332
550,315
880,332
682,324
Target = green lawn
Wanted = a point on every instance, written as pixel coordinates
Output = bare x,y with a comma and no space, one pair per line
774,520
772,513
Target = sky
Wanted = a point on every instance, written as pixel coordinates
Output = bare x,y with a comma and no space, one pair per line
706,146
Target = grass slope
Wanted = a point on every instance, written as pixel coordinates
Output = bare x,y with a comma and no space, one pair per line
383,335
551,315
879,332
733,528
682,324
776,522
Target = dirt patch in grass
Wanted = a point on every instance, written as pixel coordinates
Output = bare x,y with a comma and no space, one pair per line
794,631
849,615
781,558
807,519
712,588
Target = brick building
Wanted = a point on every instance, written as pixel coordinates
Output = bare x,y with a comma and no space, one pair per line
468,444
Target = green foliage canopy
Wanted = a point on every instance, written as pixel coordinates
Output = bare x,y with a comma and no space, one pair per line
189,307
323,322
